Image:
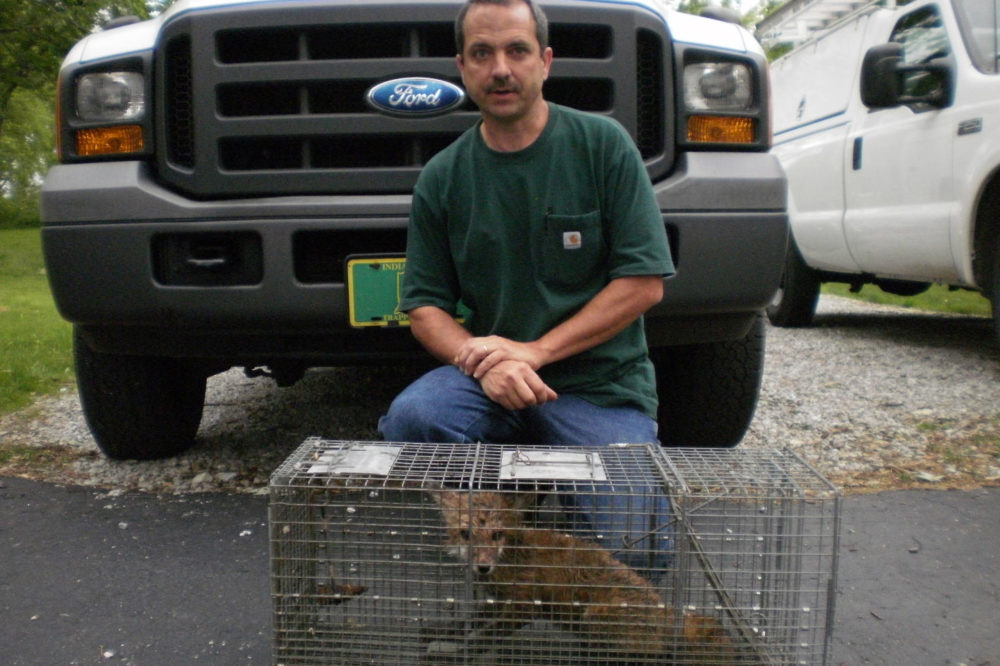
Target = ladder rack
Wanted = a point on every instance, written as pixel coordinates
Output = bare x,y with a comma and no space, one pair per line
799,20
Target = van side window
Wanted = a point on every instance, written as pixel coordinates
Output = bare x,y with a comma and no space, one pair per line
924,38
978,22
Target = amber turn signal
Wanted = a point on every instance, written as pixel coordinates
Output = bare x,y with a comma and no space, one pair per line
720,129
109,140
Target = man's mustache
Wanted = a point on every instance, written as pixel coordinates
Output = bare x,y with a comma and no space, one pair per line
503,84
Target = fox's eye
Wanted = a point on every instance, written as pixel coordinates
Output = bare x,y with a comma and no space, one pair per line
497,536
464,534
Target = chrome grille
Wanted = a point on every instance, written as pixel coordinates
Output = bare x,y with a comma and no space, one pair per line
269,99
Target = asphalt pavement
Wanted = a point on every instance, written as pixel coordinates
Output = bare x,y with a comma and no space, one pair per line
88,577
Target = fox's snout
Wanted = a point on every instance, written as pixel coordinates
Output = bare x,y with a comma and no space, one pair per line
484,556
481,549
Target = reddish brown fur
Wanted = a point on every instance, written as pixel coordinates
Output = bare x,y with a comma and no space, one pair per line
577,585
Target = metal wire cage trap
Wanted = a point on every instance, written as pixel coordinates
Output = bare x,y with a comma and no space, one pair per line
399,553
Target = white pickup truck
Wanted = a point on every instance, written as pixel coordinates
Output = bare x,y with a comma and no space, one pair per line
888,127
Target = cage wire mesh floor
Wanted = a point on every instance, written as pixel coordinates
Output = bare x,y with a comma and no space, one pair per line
401,553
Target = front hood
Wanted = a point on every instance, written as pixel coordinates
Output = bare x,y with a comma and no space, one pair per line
140,37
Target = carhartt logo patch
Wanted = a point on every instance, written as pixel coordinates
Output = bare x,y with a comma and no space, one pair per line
572,240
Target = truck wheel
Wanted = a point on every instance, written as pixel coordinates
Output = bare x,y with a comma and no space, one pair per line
708,392
795,302
138,407
995,291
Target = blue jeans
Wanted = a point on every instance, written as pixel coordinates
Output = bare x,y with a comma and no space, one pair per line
446,406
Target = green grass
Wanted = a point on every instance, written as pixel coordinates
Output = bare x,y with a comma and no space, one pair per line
35,342
937,299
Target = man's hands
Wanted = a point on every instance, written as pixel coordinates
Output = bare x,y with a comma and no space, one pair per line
506,370
514,385
477,356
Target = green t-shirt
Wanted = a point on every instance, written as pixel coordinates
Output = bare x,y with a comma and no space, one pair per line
525,239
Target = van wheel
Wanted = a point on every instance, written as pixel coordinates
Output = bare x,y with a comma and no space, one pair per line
138,407
794,304
708,392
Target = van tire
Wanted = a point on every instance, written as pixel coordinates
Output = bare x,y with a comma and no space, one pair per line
138,407
794,304
708,392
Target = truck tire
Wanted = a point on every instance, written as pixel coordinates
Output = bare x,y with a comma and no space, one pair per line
138,407
708,392
794,303
995,291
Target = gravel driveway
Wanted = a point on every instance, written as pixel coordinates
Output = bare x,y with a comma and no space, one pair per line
875,397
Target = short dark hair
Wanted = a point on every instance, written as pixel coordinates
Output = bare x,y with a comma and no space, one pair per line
541,21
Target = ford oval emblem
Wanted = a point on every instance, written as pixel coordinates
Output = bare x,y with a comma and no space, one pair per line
416,96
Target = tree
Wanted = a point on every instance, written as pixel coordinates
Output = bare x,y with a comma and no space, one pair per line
692,6
697,6
27,150
758,14
36,34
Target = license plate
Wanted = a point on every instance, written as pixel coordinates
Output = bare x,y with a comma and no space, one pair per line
374,287
373,291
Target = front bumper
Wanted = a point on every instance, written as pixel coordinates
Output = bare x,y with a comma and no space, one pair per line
725,215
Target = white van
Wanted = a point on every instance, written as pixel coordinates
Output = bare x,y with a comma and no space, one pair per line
888,127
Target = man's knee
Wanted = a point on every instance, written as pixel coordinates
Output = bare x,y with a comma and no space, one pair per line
441,406
447,406
574,420
408,417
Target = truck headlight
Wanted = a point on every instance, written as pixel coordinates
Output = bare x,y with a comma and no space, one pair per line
718,86
720,102
108,114
110,96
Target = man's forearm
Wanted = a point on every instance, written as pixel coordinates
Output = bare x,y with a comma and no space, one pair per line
616,306
610,312
438,332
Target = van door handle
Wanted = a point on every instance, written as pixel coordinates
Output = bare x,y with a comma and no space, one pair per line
856,154
973,126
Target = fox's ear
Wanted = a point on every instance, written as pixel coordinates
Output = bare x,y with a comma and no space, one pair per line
434,489
447,499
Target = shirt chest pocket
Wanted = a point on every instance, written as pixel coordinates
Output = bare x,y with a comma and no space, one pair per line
573,248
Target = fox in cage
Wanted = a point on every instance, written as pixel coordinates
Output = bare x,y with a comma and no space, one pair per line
530,573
